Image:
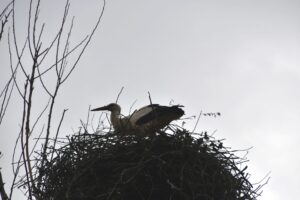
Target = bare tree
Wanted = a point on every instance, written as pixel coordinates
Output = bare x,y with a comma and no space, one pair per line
27,77
6,92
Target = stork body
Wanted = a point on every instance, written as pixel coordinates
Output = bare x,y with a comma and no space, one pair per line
146,120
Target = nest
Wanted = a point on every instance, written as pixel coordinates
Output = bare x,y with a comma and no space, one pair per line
166,166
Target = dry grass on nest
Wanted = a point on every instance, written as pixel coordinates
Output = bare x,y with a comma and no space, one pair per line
166,166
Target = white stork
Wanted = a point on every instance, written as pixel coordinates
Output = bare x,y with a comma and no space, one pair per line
146,120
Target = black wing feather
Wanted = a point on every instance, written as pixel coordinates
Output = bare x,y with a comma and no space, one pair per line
159,111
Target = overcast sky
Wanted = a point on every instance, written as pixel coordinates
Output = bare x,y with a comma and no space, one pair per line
237,57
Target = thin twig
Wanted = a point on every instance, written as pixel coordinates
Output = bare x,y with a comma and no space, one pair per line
4,22
88,41
132,106
40,116
5,9
15,42
119,94
197,121
22,138
149,96
57,131
14,70
2,189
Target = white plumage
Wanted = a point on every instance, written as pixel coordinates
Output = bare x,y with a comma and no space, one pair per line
146,120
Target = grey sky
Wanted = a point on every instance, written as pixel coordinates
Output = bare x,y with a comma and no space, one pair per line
238,57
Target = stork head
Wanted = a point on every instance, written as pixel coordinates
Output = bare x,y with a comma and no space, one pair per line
112,107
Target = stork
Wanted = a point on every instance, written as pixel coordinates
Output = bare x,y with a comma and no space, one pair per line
146,120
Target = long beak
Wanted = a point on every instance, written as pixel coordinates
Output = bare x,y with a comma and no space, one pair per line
100,108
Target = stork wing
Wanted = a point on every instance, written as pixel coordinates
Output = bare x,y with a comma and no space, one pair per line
138,114
155,111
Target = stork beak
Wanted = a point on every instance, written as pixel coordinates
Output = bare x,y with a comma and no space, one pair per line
100,108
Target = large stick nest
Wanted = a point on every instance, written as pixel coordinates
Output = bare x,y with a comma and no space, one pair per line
166,166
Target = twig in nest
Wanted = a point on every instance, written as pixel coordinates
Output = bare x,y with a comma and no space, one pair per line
119,94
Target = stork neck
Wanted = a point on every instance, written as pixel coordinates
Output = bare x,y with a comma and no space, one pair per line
115,118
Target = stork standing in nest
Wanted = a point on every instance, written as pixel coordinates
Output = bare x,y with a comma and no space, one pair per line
147,120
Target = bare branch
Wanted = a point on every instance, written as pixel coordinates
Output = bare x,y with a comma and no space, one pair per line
37,140
6,16
66,50
149,96
36,16
22,139
119,94
42,82
2,189
61,59
40,35
37,55
3,23
14,152
15,171
5,9
88,41
15,41
197,121
57,131
28,30
6,100
61,82
14,70
67,6
40,115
